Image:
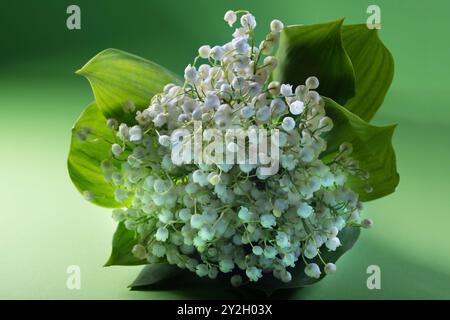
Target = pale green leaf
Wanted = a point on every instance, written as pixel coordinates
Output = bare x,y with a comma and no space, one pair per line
118,78
91,144
122,245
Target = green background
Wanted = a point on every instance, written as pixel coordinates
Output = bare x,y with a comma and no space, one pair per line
47,226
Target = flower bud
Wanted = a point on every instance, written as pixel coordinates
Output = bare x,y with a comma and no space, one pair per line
214,178
288,124
116,149
330,268
296,107
276,26
236,280
345,148
312,83
129,107
301,91
271,62
274,88
88,196
257,250
367,223
204,51
266,47
139,251
325,124
112,124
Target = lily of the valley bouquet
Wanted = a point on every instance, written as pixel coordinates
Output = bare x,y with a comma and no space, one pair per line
250,170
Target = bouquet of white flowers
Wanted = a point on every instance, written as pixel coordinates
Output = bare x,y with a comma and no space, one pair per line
248,170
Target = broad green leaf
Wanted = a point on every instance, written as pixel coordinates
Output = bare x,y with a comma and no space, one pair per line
154,274
123,242
172,277
86,155
372,148
374,69
165,277
118,78
269,284
316,50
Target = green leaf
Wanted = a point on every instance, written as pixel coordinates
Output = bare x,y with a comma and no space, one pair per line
165,277
86,155
123,243
372,148
269,284
170,277
118,78
316,50
155,274
374,69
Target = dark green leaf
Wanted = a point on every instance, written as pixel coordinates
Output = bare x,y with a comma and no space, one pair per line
123,242
155,274
164,276
118,78
316,50
91,144
372,148
269,284
374,69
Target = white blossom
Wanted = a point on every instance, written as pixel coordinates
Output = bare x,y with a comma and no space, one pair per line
297,107
135,133
217,53
248,21
312,270
190,74
330,268
286,90
212,217
333,243
116,149
230,17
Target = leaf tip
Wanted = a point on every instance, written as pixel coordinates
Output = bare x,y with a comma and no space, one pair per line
109,262
80,72
390,129
341,20
337,25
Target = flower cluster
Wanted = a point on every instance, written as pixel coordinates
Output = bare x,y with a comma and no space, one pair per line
217,217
